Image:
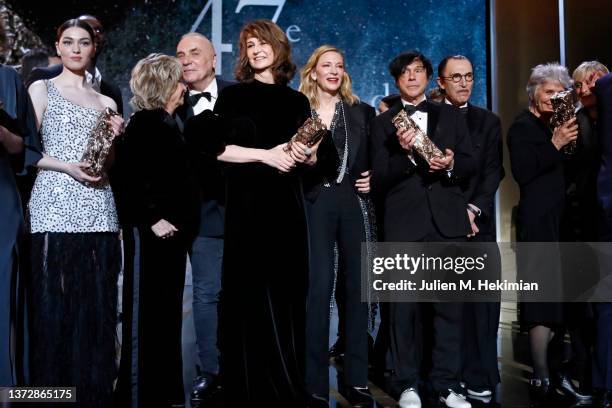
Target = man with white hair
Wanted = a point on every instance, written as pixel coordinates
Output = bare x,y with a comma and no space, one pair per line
197,55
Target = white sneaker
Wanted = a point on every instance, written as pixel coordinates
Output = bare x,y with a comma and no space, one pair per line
485,396
454,400
483,393
410,399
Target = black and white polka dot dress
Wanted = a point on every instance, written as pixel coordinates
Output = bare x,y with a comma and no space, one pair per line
59,203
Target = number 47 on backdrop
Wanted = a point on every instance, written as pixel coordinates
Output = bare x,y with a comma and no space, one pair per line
217,22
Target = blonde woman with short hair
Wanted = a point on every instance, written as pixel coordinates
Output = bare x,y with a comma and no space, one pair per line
161,218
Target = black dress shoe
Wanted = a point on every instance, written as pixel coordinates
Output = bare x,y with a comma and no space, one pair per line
359,397
204,386
539,389
564,384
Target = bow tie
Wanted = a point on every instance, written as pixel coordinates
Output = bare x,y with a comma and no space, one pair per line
410,109
193,99
464,110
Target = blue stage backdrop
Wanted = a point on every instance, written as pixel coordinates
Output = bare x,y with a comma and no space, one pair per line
370,32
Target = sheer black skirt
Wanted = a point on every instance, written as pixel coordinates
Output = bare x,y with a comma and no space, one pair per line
73,313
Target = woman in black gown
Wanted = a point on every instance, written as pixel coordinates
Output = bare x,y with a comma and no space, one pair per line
162,204
537,166
265,275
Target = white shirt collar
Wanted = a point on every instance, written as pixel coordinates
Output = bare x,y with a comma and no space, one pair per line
95,78
465,105
212,88
404,102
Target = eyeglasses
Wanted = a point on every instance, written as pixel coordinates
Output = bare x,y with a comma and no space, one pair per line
469,77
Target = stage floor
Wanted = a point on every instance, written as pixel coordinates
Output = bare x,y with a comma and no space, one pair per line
513,357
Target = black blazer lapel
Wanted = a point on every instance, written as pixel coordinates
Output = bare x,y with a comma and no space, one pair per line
433,115
474,119
353,131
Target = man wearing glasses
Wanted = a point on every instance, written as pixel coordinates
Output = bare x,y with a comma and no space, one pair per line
421,201
480,320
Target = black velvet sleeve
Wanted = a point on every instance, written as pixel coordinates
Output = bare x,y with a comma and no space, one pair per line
531,152
142,155
206,133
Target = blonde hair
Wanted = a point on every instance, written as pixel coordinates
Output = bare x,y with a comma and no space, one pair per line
587,67
154,78
308,86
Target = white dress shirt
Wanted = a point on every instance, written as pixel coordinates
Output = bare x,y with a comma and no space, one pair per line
420,118
94,80
204,104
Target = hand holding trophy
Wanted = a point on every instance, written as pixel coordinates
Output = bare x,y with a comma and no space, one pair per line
422,144
99,144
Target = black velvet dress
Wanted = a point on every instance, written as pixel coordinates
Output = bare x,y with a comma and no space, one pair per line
156,182
537,167
265,272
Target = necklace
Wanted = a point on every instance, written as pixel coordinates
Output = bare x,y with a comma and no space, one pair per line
338,114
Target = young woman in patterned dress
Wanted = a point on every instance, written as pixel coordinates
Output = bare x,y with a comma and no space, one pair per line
75,245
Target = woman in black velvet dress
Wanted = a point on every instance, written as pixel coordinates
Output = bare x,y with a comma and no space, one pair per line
162,207
265,275
537,166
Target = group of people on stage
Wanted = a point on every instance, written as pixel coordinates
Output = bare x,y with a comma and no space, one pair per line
273,230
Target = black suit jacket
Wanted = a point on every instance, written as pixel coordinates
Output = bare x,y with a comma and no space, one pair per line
485,133
106,88
209,170
409,197
358,119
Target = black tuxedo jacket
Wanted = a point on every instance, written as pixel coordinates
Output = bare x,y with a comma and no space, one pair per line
408,196
209,170
106,88
358,119
485,133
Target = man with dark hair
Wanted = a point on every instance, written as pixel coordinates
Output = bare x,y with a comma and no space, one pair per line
421,201
480,319
93,75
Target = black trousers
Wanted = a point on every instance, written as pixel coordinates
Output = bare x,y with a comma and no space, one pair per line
151,371
405,338
335,217
479,344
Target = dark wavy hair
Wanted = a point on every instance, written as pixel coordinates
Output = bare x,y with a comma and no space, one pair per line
74,22
397,64
283,68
